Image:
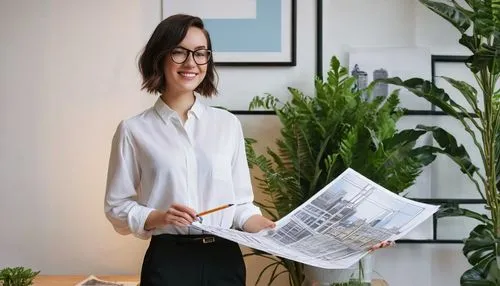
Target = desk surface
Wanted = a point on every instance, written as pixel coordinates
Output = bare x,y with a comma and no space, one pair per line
70,280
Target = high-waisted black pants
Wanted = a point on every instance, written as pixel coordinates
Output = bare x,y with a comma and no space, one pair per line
192,260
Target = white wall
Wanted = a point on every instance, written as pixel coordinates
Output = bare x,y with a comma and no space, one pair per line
68,75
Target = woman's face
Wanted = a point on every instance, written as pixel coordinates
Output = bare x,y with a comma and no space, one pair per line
184,77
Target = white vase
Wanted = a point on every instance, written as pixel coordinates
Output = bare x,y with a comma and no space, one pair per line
315,276
367,263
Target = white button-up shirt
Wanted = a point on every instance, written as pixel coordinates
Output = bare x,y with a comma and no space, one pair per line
157,161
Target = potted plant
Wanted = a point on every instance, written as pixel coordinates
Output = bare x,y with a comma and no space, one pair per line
17,276
478,23
322,136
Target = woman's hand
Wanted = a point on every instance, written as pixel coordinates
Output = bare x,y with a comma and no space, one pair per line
257,223
178,215
382,244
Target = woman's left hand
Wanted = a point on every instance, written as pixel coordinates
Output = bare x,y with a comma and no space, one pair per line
257,223
382,244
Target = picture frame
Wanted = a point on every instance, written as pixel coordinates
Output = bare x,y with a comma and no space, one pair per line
245,32
368,64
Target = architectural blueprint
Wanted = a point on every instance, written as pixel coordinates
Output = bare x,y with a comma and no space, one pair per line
337,226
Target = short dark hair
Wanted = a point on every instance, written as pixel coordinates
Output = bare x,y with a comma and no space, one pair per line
167,35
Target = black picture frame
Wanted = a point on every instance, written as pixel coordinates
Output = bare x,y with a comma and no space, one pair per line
253,59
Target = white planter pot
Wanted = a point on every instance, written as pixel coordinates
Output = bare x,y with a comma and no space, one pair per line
315,276
367,263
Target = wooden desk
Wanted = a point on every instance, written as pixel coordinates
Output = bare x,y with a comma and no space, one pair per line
71,280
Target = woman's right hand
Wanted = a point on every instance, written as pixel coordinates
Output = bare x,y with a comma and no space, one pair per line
178,215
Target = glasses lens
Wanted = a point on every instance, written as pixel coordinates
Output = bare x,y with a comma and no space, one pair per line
202,57
179,55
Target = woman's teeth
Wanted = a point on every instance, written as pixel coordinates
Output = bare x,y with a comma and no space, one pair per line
187,74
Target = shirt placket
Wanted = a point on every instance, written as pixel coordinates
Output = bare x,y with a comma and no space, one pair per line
191,164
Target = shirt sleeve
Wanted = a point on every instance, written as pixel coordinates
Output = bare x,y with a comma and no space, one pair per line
120,205
241,181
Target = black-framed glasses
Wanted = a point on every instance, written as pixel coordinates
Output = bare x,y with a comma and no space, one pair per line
200,56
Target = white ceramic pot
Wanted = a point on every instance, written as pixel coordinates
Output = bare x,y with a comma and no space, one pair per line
315,276
367,263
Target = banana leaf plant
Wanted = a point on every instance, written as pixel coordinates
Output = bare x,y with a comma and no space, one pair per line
323,135
478,23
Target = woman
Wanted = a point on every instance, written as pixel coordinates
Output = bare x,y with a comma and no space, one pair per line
179,158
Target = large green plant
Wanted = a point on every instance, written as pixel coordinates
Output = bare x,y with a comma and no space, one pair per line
478,22
322,136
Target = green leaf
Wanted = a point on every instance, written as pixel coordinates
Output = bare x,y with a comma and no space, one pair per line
469,42
468,92
456,152
403,137
454,15
480,249
426,89
472,277
453,210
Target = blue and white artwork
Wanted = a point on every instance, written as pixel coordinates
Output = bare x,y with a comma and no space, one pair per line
244,31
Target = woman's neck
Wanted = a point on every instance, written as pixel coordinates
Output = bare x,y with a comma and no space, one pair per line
179,103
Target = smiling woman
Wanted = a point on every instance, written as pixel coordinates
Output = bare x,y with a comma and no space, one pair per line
179,34
179,158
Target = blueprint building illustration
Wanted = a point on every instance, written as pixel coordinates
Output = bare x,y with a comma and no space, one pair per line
337,226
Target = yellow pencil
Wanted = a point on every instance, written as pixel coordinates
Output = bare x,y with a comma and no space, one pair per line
214,210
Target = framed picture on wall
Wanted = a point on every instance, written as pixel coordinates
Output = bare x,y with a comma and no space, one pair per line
368,64
245,32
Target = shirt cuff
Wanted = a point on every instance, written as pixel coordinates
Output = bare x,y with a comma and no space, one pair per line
137,219
243,213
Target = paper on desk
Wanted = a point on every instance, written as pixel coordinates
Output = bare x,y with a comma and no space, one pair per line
336,227
94,281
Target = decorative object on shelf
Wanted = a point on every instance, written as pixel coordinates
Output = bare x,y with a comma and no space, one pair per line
323,135
17,276
478,23
245,32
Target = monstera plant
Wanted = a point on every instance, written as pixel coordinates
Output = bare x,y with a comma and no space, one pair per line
478,23
323,135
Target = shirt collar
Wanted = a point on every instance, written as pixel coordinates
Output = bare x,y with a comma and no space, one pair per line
166,112
198,108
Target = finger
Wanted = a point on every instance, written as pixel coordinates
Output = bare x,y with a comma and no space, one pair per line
185,209
376,246
176,213
271,224
385,244
181,222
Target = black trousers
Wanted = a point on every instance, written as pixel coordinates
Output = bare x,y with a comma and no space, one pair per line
192,260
